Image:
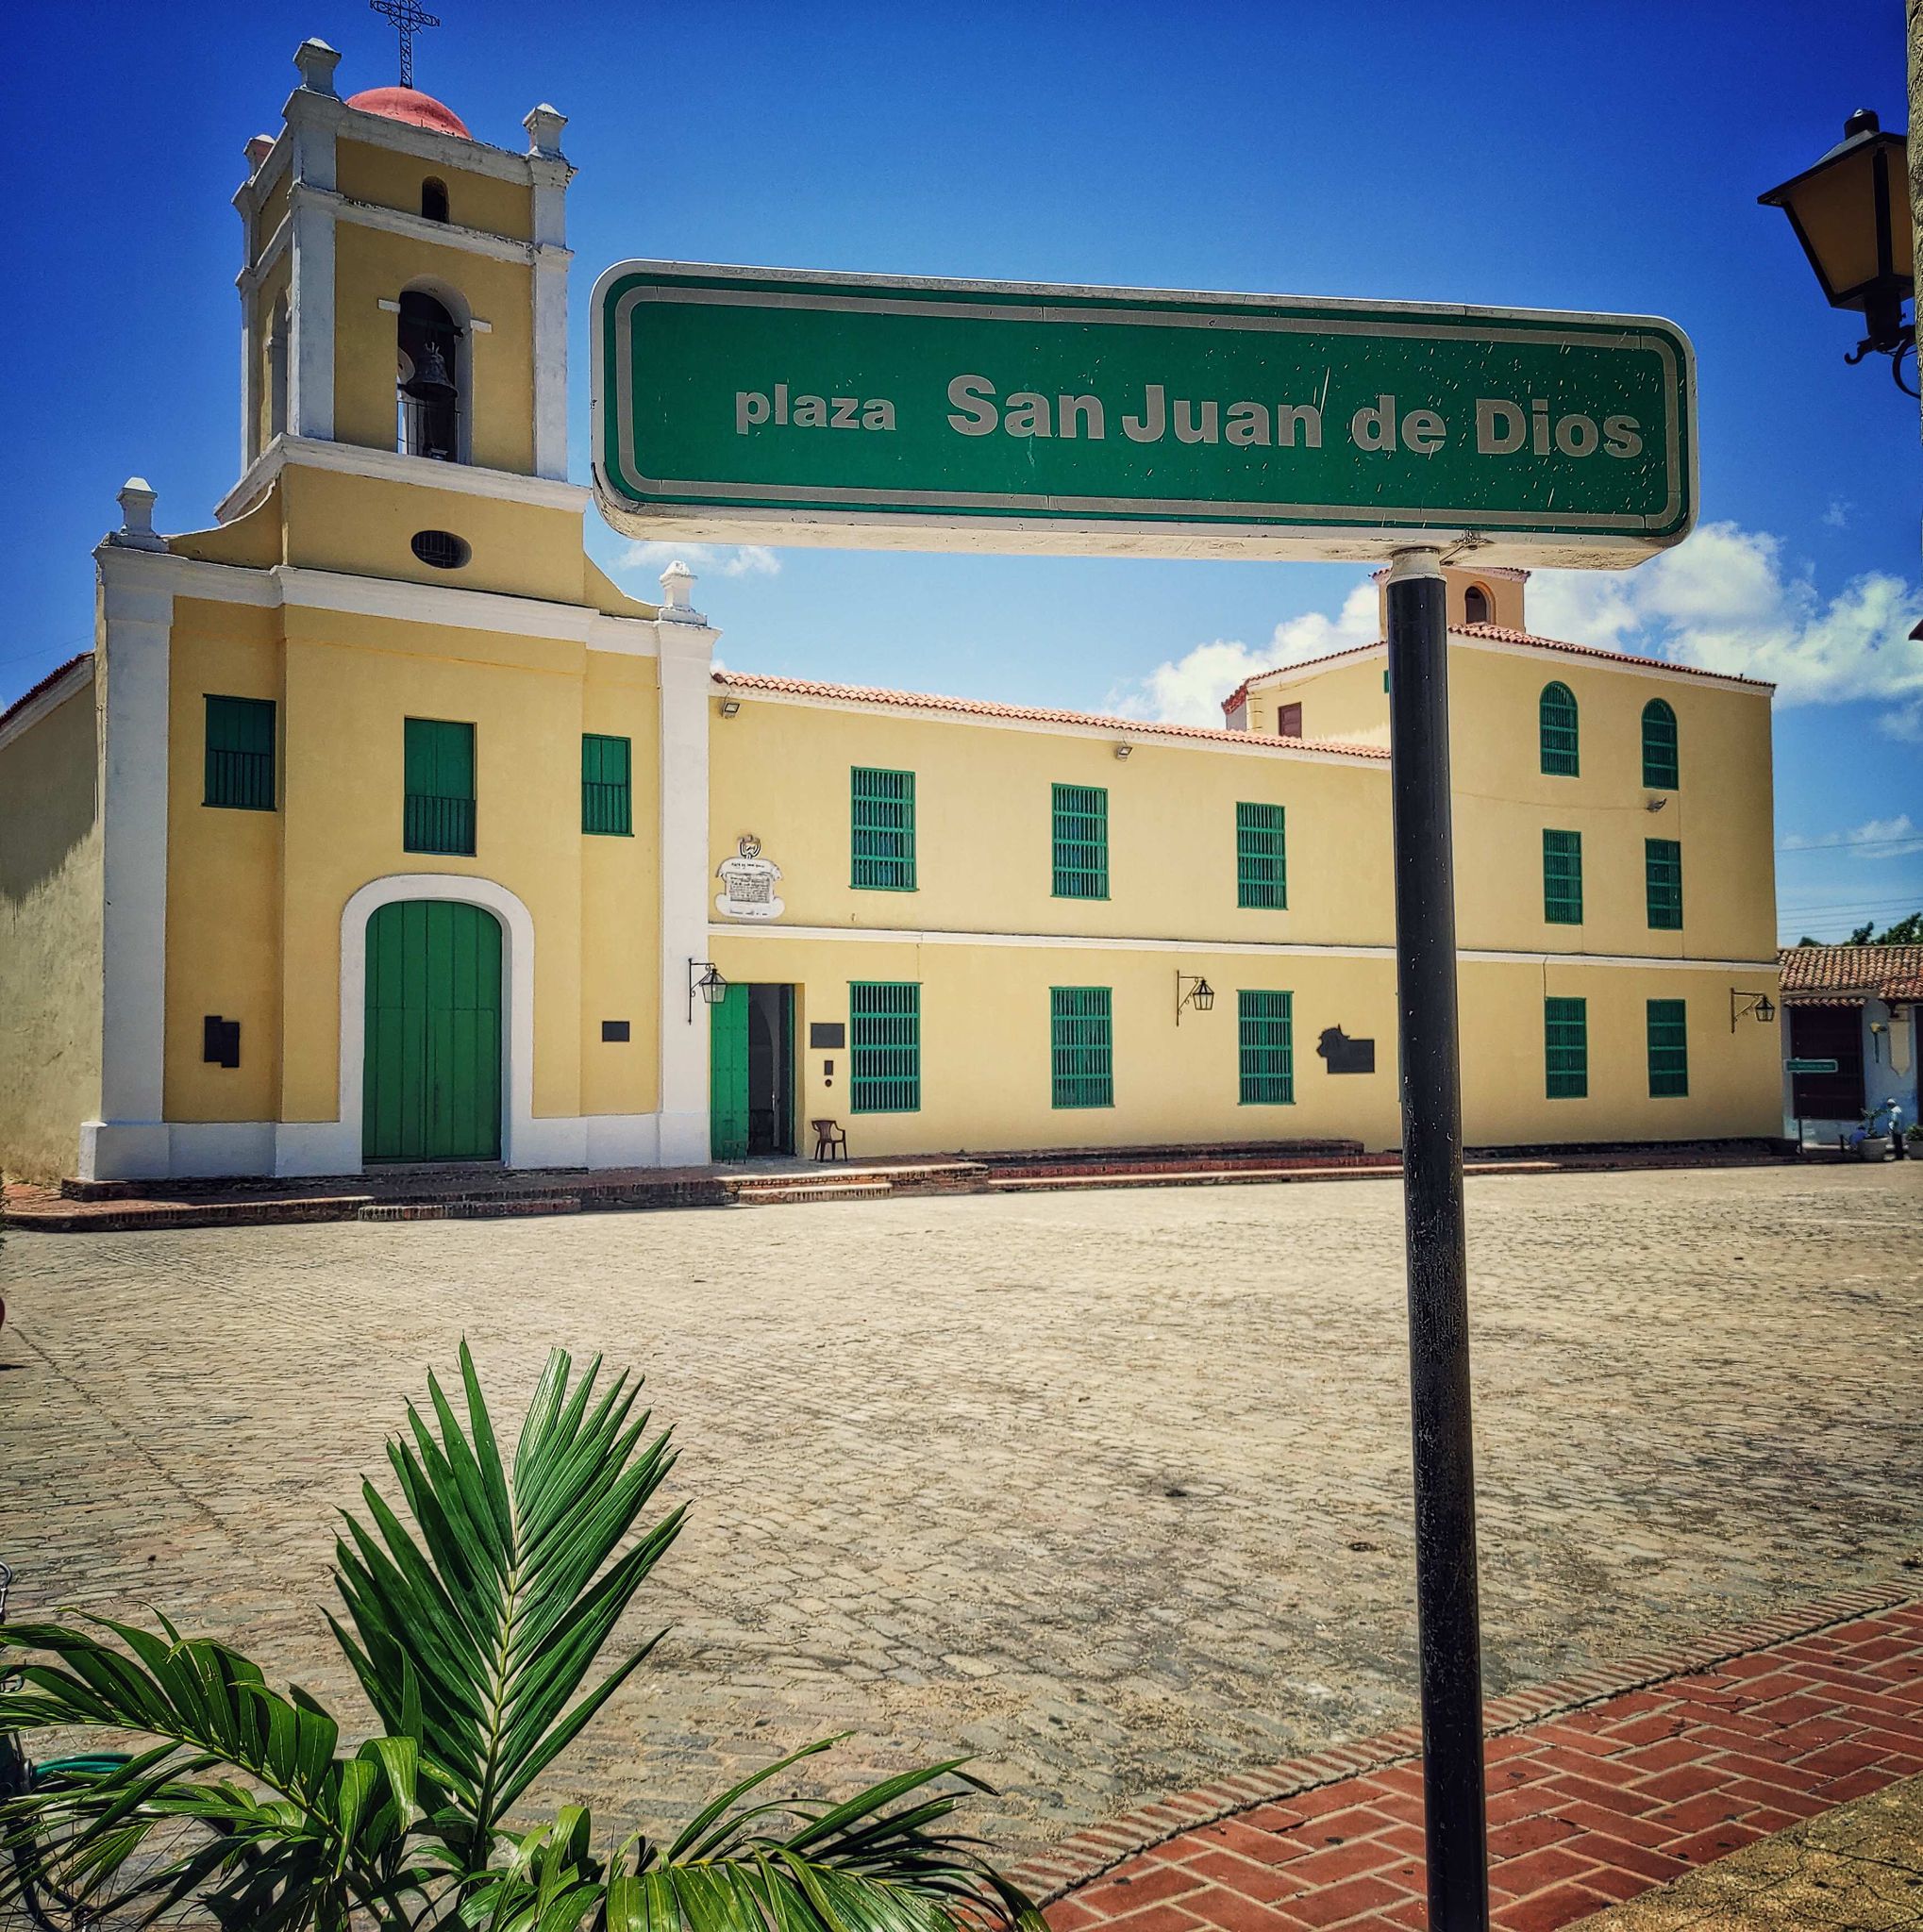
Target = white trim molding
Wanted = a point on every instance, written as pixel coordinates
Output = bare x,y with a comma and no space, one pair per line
391,466
67,684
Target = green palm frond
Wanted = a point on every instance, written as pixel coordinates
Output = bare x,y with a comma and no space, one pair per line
331,1834
495,1605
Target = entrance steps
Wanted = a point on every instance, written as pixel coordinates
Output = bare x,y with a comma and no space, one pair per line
761,1193
483,1207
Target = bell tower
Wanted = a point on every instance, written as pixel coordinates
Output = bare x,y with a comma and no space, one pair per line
404,321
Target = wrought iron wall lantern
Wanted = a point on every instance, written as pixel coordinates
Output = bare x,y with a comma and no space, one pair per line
1743,1002
704,978
1852,213
1198,994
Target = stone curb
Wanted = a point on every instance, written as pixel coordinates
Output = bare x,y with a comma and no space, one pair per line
1087,1854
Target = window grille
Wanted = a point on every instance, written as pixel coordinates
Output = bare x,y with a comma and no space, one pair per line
1082,841
1663,879
1082,1047
1562,878
1266,1029
881,835
1261,871
239,754
1566,1048
607,786
439,811
1556,717
885,1047
1668,1049
1660,763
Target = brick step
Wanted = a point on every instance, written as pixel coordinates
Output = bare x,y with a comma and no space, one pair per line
760,1193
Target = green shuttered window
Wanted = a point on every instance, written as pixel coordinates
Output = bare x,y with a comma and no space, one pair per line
1562,878
881,835
1261,869
1668,1049
1663,879
884,1046
1566,1048
1082,841
607,784
1557,716
1660,760
239,754
439,812
1081,1039
1266,1024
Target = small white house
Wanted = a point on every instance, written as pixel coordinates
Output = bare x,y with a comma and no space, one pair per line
1856,1006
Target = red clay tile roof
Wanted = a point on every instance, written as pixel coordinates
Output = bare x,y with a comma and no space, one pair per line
1501,634
977,708
47,683
1880,972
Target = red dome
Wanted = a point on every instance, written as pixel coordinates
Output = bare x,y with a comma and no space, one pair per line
410,104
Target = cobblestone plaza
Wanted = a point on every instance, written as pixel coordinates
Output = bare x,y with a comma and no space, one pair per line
1110,1488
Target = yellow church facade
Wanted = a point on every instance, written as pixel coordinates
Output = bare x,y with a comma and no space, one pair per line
381,826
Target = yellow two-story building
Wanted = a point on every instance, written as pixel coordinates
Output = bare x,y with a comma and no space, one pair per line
381,826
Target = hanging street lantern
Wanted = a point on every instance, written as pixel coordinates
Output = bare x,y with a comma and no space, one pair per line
1852,213
1199,994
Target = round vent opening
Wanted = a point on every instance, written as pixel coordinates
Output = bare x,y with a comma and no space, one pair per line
441,549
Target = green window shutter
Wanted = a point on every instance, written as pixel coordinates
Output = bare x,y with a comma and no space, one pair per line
1261,868
1566,1048
239,754
1668,1049
1266,1037
1660,764
1562,878
1663,878
1082,841
439,812
607,784
882,830
1082,1043
1557,716
884,1046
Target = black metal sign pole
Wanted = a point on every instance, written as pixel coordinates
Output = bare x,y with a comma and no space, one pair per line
1447,1614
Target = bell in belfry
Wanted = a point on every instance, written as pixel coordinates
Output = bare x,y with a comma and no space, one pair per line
430,382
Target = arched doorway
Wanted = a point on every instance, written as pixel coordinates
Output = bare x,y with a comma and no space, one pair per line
431,1085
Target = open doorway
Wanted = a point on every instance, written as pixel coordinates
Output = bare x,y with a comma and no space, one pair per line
751,1084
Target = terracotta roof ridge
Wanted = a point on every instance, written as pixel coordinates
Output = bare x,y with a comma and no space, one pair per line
47,683
1039,714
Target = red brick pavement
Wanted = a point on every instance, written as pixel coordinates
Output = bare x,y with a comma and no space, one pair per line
1604,1798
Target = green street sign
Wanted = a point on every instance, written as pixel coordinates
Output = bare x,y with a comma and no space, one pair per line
772,404
1810,1066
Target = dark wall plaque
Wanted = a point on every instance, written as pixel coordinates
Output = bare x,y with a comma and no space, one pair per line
220,1040
613,1030
1343,1055
823,1033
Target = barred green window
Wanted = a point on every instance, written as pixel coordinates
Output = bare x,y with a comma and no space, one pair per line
881,815
1668,1049
1566,1048
607,784
884,1046
1663,879
1261,866
239,754
1556,716
1660,759
1266,1037
1082,1047
438,815
1562,878
1082,841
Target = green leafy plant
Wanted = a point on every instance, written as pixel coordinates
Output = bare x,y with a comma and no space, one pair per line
474,1616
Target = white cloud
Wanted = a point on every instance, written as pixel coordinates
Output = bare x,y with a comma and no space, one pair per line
1725,600
704,559
1189,689
1837,516
1896,838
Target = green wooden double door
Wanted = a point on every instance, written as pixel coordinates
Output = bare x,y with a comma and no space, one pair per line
431,1082
751,1071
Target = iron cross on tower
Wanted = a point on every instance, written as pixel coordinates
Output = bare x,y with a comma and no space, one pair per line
409,17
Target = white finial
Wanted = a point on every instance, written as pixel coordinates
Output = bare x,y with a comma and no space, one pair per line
677,581
543,124
317,62
137,499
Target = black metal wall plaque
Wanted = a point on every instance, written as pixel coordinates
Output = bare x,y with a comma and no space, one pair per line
824,1033
1343,1055
613,1030
220,1040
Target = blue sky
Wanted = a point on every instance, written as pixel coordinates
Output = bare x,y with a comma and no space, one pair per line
1585,157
